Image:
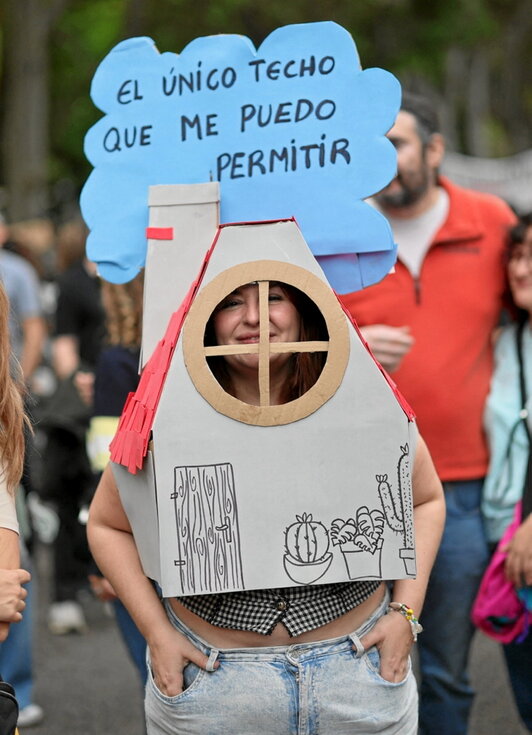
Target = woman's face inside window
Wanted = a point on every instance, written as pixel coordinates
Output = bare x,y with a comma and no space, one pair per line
236,321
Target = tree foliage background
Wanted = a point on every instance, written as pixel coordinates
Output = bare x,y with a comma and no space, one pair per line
472,56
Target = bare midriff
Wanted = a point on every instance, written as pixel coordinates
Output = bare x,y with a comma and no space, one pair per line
229,638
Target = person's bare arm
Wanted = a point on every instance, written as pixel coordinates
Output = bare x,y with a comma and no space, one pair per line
9,549
65,355
392,634
388,344
518,565
113,547
12,593
34,332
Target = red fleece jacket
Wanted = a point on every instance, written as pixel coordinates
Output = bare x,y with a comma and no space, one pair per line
451,309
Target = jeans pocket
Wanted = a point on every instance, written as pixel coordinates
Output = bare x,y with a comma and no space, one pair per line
373,662
192,676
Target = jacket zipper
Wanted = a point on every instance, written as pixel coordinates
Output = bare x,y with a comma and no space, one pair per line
417,289
416,280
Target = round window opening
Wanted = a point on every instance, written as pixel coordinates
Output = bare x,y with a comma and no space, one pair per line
266,343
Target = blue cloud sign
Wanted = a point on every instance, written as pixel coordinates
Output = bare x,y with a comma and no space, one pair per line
295,128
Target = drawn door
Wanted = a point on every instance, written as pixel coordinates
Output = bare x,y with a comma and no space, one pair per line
208,538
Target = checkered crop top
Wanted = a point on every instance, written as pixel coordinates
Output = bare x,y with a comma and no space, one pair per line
298,608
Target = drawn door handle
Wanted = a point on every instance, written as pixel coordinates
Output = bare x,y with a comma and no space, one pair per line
227,528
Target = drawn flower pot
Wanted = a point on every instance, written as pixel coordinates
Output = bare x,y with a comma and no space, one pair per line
409,559
305,572
360,541
362,563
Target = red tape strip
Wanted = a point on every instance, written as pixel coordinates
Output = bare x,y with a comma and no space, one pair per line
160,233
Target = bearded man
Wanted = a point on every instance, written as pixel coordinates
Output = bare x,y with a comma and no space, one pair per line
429,324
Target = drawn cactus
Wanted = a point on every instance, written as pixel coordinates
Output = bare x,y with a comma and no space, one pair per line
392,506
307,540
393,501
403,477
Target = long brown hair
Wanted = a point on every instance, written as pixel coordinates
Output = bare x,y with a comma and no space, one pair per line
123,308
12,416
305,367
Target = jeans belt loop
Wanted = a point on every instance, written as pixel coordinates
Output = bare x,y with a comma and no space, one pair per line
212,659
358,645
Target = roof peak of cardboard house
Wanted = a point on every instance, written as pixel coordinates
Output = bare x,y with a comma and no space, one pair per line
130,444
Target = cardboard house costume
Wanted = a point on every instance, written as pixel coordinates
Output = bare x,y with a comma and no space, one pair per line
221,495
227,496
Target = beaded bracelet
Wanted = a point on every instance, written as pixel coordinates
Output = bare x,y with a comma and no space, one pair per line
407,613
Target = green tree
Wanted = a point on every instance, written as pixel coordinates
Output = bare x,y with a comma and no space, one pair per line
472,56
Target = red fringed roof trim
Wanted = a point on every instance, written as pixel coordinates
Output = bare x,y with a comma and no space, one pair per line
407,408
130,443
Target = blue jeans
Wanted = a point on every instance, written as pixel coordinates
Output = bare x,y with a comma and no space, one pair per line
446,695
320,688
16,654
133,638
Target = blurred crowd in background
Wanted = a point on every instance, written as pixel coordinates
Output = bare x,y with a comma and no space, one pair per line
473,59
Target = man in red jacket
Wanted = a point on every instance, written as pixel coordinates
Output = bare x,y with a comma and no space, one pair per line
430,324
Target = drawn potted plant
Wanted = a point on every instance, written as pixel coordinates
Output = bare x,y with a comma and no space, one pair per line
393,501
360,541
307,557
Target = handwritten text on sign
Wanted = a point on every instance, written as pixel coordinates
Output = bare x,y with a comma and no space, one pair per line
293,129
251,116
